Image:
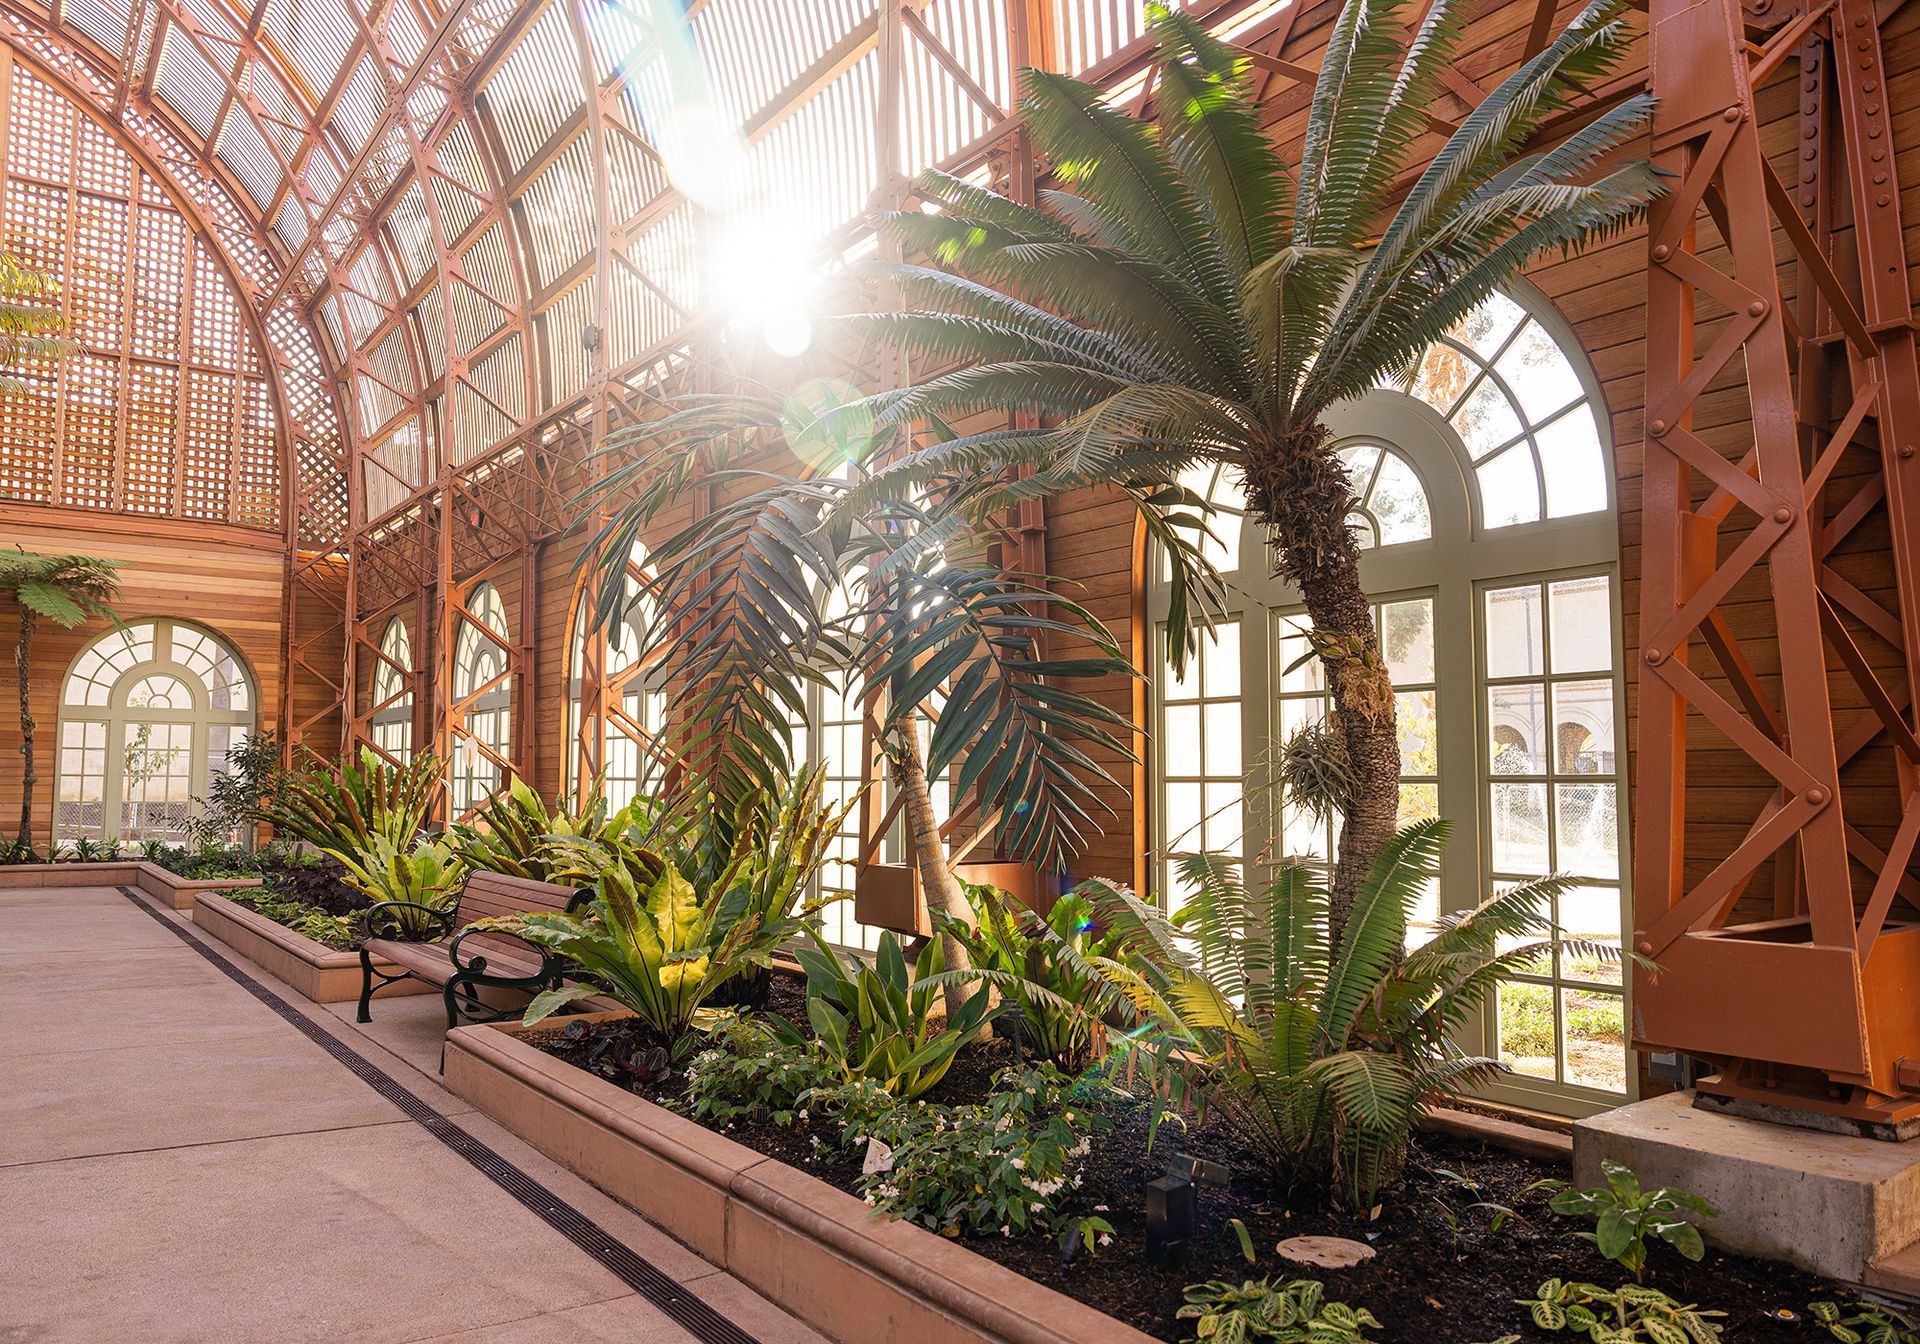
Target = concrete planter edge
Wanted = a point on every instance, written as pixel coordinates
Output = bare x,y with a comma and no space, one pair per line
809,1247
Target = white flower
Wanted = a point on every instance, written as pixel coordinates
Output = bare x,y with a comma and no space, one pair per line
1018,1164
1006,1229
1099,1208
1106,1239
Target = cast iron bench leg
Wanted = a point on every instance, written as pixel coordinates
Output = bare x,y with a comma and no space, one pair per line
366,987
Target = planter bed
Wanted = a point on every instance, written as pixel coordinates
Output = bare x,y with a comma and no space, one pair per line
815,1251
774,1211
323,974
151,878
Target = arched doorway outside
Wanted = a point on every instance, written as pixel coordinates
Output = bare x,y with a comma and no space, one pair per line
148,713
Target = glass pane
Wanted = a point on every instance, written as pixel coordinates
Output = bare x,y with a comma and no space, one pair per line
1418,802
1570,455
1399,504
1486,420
1180,739
1596,1039
1224,828
1583,624
1517,722
1591,915
1509,489
1526,1029
1520,828
1419,730
1540,962
1183,818
1406,633
1183,687
1222,658
1587,835
1513,618
1298,714
1222,729
1443,376
1583,728
1539,373
1299,670
1487,326
1302,837
1360,460
1423,919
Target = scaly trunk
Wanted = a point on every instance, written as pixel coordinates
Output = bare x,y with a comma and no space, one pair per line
1304,495
21,653
939,887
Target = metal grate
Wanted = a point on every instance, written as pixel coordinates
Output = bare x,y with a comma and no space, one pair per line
622,1261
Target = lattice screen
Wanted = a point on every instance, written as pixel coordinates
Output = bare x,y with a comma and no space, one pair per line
163,407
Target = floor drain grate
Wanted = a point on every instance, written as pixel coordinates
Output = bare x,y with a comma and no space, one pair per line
628,1265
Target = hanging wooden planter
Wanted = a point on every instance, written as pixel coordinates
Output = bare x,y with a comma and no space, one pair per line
887,895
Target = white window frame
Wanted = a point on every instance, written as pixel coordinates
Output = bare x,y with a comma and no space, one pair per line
108,706
1462,557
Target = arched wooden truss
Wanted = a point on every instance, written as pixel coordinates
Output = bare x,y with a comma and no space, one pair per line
459,247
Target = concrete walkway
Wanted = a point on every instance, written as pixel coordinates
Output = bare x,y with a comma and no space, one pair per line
178,1163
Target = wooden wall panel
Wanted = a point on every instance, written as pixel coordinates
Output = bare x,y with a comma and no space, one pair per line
226,579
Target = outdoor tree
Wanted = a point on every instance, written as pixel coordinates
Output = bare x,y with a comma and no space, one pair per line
30,321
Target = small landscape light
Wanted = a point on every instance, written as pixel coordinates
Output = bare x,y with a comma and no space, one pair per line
1173,1214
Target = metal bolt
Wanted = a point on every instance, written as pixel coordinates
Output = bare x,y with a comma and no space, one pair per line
1731,114
1783,514
1645,947
1758,308
1654,655
1662,252
1906,450
1816,795
1657,428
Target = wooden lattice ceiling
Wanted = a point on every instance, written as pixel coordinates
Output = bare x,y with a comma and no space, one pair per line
454,195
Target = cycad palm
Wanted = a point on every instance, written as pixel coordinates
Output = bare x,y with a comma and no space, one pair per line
1181,300
1321,1054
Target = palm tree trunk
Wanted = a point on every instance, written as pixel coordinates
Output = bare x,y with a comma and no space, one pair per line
1304,495
22,651
939,888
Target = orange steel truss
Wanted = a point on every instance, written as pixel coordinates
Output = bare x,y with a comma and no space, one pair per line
1805,995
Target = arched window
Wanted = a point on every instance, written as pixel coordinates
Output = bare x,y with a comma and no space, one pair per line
148,714
1490,549
483,696
632,705
392,718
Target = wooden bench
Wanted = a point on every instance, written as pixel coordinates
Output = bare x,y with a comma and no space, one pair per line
460,960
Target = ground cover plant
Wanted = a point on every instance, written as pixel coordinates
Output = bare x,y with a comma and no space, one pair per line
336,931
1445,1272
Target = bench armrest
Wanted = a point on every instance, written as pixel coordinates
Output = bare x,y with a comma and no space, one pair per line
437,920
477,965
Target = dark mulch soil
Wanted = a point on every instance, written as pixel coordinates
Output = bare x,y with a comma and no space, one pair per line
1442,1274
